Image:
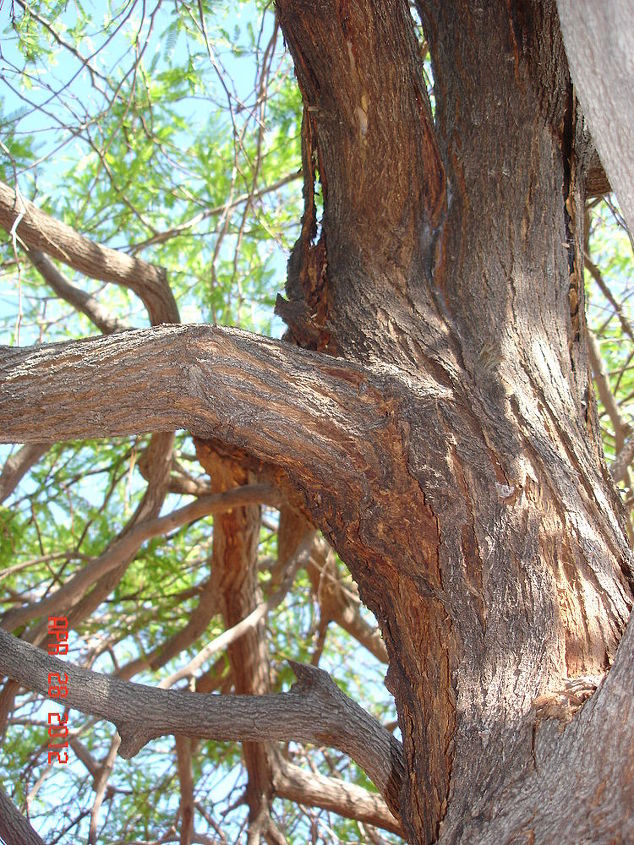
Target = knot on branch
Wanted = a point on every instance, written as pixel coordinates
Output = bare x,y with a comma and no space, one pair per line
133,738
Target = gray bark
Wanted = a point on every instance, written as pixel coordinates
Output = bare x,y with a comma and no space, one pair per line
598,39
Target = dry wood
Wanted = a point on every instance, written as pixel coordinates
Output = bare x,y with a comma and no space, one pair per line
315,710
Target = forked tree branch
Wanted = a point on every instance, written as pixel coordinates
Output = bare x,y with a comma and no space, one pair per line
38,230
315,711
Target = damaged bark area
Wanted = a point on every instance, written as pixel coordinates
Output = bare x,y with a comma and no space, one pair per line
234,573
446,443
449,255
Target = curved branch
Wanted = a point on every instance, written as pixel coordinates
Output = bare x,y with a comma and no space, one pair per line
17,466
286,405
315,711
40,231
79,299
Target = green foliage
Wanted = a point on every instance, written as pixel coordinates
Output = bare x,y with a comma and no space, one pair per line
609,289
148,134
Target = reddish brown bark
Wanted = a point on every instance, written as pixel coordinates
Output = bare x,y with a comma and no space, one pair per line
449,451
451,251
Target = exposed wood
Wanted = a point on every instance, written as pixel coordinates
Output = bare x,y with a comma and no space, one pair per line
450,454
477,286
235,575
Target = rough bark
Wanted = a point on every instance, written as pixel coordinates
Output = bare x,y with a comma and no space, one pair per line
315,710
598,38
346,799
452,457
469,280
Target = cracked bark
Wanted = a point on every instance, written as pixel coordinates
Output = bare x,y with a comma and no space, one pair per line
451,455
465,279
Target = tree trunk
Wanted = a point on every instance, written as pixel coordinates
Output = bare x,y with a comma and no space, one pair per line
449,257
450,451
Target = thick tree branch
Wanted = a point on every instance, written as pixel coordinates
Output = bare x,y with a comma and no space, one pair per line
562,790
14,828
285,405
38,230
315,711
186,784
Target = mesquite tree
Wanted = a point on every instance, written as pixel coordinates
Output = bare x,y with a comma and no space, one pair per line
430,410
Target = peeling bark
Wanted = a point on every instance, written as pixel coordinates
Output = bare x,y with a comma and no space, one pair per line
450,453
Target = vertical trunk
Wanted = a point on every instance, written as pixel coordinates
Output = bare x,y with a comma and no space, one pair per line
235,581
488,539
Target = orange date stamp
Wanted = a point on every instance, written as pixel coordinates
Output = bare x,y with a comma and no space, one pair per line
57,689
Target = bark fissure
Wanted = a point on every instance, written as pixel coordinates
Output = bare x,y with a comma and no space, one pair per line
450,454
508,481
